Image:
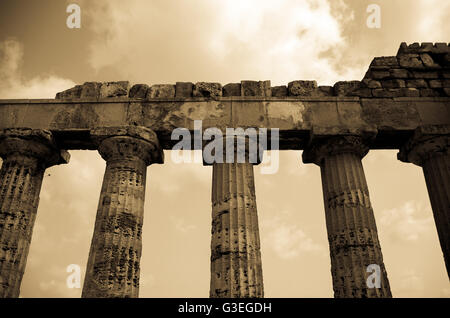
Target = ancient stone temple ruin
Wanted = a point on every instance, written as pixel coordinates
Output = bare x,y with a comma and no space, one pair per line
403,103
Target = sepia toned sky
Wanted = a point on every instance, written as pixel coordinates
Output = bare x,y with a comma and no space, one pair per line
166,41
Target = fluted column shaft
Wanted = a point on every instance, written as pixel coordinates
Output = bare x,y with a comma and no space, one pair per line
352,232
437,177
27,153
236,269
113,266
429,148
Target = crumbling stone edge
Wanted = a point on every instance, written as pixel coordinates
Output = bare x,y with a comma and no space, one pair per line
418,70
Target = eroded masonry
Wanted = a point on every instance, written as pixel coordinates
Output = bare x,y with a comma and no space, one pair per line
402,103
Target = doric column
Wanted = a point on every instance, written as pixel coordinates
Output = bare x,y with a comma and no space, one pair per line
429,148
26,154
352,232
236,269
113,264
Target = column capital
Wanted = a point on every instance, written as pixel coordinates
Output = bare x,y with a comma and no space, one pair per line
31,146
324,143
244,147
426,142
128,142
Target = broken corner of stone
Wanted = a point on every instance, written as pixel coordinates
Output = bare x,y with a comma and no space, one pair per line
96,90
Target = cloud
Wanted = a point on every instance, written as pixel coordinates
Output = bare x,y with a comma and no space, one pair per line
407,222
287,240
12,84
168,41
433,22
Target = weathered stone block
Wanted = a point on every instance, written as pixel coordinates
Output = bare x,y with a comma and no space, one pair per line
91,90
441,47
417,83
398,73
344,88
386,61
428,92
386,93
138,91
410,61
379,74
402,49
361,92
302,88
231,89
161,91
279,91
446,83
183,89
409,92
114,89
435,84
204,89
428,61
426,47
255,88
393,83
74,92
325,91
414,46
370,83
426,75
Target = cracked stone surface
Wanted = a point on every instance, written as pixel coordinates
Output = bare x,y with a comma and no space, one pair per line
26,153
113,266
351,227
429,148
236,269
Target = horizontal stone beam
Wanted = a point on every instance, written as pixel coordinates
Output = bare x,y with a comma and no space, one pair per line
72,120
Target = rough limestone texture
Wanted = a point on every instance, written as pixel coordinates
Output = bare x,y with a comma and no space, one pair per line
344,88
302,88
352,232
138,91
161,91
113,266
114,89
26,155
423,68
96,90
231,89
74,92
255,88
279,91
236,270
204,89
429,148
183,89
325,91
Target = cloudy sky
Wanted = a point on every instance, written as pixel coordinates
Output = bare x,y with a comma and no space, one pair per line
222,41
